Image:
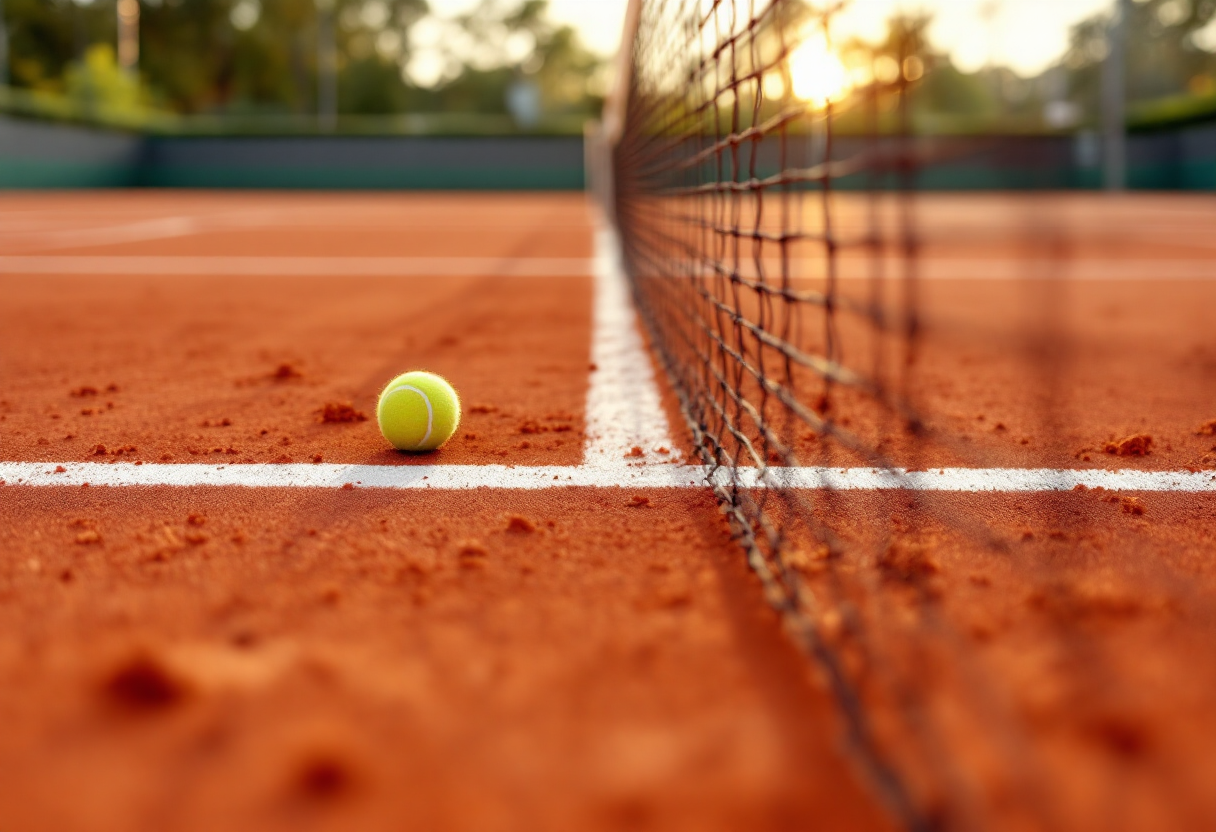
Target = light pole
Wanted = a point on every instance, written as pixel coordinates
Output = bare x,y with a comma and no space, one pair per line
327,66
1114,100
128,35
990,11
3,48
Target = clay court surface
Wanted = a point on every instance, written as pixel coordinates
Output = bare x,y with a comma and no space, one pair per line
590,657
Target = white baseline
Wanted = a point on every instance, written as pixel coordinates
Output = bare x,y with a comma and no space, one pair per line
268,266
466,477
970,269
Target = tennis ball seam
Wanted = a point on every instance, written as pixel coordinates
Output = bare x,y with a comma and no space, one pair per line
430,411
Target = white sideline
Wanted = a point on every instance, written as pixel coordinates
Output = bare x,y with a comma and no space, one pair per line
624,410
466,477
224,266
153,228
930,268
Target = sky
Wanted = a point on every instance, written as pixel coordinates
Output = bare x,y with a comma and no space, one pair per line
1026,35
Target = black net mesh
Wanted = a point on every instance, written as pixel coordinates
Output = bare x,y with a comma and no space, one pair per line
976,637
770,297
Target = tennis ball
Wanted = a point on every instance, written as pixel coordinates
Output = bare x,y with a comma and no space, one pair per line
418,411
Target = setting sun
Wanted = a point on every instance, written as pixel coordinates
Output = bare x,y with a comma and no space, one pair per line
817,73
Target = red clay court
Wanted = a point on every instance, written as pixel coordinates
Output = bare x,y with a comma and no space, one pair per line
223,607
833,455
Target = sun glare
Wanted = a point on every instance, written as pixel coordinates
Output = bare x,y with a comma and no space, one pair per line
817,73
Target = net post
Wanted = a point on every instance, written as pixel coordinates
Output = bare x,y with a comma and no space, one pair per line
1114,100
597,168
600,137
3,48
327,65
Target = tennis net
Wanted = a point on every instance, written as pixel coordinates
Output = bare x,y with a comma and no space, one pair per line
728,168
762,176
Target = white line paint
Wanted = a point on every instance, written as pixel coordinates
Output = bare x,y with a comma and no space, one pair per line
456,477
992,269
978,479
1085,270
624,410
221,266
143,230
464,477
970,269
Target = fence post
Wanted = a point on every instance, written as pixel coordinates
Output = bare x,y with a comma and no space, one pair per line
1114,100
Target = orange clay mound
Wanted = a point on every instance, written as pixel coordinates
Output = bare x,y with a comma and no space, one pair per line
1140,444
338,412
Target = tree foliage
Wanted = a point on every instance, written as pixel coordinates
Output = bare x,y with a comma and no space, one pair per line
262,56
1170,47
97,82
1164,55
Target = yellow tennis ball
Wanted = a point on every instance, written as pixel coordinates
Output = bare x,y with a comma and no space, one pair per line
418,411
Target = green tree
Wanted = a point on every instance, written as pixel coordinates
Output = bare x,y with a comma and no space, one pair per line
373,38
371,86
554,59
1163,56
98,82
947,90
186,52
46,36
261,56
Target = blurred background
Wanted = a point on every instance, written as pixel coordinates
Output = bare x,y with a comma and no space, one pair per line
1064,72
392,66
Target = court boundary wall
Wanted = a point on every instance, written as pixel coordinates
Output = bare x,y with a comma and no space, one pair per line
36,154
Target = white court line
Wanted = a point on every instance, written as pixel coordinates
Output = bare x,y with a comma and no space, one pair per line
175,266
976,269
624,410
989,269
1084,269
466,477
143,230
